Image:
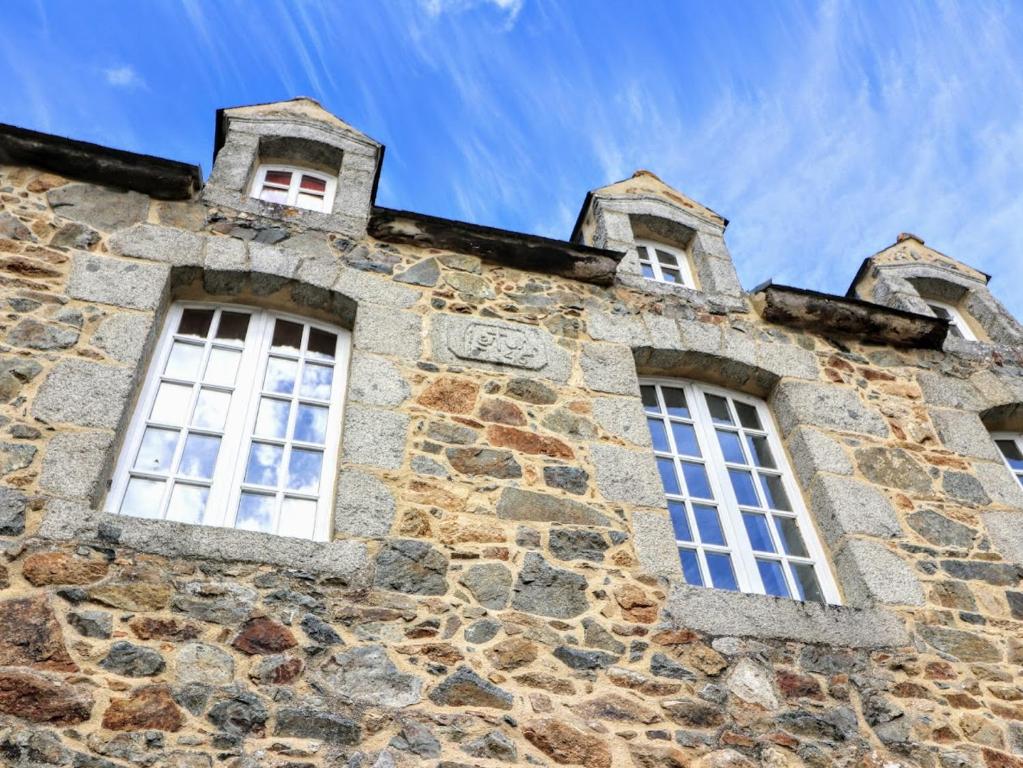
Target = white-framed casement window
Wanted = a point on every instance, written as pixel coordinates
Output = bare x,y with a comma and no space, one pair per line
738,517
291,185
664,264
1011,446
238,423
957,325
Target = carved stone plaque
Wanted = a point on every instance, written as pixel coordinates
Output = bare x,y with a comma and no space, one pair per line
490,343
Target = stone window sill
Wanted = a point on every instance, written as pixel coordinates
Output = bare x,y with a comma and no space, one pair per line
343,559
722,613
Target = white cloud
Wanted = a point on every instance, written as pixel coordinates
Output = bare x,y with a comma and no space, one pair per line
123,77
510,8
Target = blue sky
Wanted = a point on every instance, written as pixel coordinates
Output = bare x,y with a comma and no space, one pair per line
820,129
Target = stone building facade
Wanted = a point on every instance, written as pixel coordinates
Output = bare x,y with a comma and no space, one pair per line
291,479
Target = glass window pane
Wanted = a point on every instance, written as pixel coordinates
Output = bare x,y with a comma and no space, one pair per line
255,512
691,567
233,326
272,418
758,532
312,202
184,361
748,415
773,578
278,177
658,434
171,403
774,492
287,337
671,275
274,195
322,344
791,539
742,483
195,323
685,439
264,464
644,254
649,397
211,409
679,521
667,259
761,451
280,375
311,424
304,470
719,409
1011,453
696,481
721,574
142,497
187,503
731,447
675,402
298,518
157,450
668,478
313,184
222,367
199,457
316,381
806,581
648,271
708,524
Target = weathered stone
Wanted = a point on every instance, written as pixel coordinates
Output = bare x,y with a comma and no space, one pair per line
966,646
548,591
469,287
319,631
531,391
153,242
279,669
663,666
99,624
566,744
262,636
386,331
609,368
797,403
502,412
845,506
43,568
963,432
11,228
410,566
613,706
74,464
938,529
647,756
30,636
482,631
202,663
999,574
965,487
484,461
583,660
424,273
836,725
125,337
150,708
571,479
31,334
123,283
595,636
569,423
84,393
464,688
224,603
12,512
490,584
306,723
132,660
693,713
627,475
577,544
416,739
363,505
518,504
374,436
41,699
15,372
873,573
527,442
131,595
894,468
513,653
239,713
450,395
75,235
100,207
14,457
753,684
376,381
492,745
366,675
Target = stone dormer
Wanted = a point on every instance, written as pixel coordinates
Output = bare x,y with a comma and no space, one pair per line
294,160
911,275
672,243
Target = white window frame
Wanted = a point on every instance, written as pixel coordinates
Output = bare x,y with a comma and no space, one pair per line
1017,439
294,187
737,542
956,318
228,474
648,258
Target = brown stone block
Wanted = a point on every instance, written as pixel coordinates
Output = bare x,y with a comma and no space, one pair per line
150,627
451,395
30,636
41,699
263,636
44,568
528,442
148,708
566,744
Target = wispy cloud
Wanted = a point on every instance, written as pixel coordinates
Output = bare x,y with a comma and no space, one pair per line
510,9
123,77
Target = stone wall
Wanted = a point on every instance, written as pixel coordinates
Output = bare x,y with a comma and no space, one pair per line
502,587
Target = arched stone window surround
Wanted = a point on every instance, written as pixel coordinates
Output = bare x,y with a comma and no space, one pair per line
870,575
79,459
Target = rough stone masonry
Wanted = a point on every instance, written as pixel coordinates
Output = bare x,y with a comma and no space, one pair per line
499,584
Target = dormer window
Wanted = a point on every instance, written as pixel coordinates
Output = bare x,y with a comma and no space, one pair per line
290,185
664,264
957,325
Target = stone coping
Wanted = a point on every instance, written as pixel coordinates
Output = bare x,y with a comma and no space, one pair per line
721,613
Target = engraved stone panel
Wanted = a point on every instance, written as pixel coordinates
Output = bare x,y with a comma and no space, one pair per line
498,345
